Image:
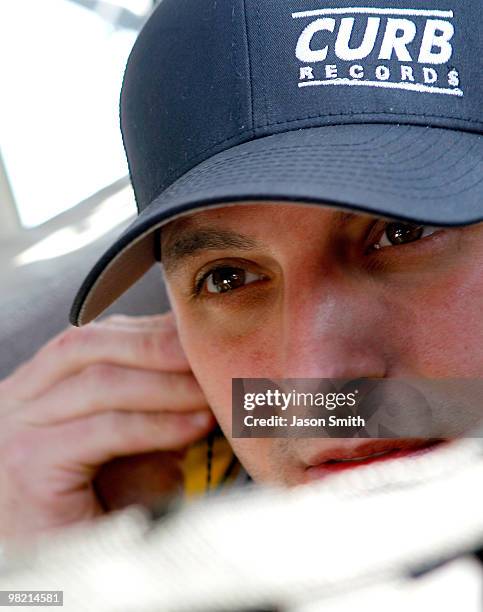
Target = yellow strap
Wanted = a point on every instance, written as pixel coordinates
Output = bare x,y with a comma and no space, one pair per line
195,466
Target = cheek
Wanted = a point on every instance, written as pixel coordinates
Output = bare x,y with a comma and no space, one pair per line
446,332
216,358
256,457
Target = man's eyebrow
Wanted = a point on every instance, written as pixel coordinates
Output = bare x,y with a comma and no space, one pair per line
191,242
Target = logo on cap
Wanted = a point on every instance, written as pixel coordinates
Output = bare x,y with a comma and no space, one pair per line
408,49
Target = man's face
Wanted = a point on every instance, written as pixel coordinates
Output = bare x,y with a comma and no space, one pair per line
290,291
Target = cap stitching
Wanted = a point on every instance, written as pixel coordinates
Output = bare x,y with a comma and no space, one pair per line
211,165
191,178
203,170
190,160
249,63
262,64
236,66
382,188
469,120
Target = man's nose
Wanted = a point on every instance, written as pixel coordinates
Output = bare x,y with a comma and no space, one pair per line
336,333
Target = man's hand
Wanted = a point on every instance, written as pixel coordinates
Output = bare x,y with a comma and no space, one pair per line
119,392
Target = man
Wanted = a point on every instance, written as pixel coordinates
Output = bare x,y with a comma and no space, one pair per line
310,179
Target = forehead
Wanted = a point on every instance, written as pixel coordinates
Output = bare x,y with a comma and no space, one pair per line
251,227
258,218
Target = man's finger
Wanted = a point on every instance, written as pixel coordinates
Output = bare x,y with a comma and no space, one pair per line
105,387
90,442
151,348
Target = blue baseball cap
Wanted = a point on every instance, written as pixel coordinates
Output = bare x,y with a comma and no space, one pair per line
373,106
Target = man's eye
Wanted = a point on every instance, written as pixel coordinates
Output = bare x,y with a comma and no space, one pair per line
398,233
226,279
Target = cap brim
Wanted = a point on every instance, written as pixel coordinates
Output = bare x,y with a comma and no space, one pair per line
431,176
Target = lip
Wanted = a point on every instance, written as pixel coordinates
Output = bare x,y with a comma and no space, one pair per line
341,459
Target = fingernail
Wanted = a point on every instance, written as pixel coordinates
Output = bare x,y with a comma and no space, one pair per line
200,419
